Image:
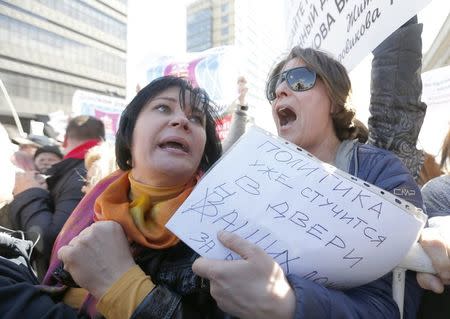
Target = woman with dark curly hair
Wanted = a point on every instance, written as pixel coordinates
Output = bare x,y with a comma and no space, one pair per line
114,257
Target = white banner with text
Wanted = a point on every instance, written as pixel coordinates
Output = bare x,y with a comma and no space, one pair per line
348,29
313,219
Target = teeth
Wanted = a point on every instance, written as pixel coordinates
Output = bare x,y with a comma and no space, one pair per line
174,145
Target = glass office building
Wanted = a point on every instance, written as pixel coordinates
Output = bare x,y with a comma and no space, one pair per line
255,29
51,48
210,23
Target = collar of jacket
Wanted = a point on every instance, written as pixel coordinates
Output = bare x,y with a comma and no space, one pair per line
80,151
171,267
65,167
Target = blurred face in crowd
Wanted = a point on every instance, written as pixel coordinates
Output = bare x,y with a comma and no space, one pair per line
304,117
168,141
28,148
7,169
45,160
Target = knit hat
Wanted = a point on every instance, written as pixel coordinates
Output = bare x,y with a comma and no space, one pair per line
49,149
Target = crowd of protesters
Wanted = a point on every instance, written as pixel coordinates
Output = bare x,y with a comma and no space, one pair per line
93,241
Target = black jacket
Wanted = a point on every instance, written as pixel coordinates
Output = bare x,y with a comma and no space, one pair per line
179,293
21,296
42,212
396,109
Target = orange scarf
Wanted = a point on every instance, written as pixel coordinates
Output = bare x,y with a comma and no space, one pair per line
144,217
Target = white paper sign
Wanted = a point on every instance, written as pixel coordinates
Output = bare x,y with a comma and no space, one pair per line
436,94
106,108
348,29
314,220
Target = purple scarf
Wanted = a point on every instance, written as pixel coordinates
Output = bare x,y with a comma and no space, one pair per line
81,217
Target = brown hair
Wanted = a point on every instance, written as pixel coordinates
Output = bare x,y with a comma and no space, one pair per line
362,132
430,169
199,99
85,127
445,153
337,83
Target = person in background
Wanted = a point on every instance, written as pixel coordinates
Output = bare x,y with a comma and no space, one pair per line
23,157
240,117
46,156
23,160
308,91
12,243
100,161
42,206
14,160
7,171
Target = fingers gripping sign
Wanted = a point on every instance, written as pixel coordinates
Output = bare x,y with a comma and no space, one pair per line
252,287
437,246
97,257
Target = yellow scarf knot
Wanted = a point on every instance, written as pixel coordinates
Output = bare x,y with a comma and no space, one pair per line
144,217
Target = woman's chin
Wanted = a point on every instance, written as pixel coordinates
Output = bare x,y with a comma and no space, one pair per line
174,175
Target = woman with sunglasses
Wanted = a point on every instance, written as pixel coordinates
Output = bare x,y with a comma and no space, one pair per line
308,91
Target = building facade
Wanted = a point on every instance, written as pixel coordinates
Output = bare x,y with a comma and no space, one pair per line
243,24
439,53
210,23
52,48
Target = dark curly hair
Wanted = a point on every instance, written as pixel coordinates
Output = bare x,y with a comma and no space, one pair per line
199,99
337,83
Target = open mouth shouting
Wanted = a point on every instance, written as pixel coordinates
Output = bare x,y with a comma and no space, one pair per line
286,116
175,144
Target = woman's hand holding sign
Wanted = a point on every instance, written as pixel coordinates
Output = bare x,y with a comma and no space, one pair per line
435,240
252,287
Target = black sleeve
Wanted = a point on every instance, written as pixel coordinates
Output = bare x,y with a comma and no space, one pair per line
160,303
34,210
22,297
396,109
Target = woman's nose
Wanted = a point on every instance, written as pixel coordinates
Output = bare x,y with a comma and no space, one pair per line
282,89
180,120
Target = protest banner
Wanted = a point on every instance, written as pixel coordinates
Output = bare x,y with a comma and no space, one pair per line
436,94
348,29
313,219
104,107
214,70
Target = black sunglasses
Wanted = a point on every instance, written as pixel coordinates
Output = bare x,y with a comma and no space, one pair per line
298,79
